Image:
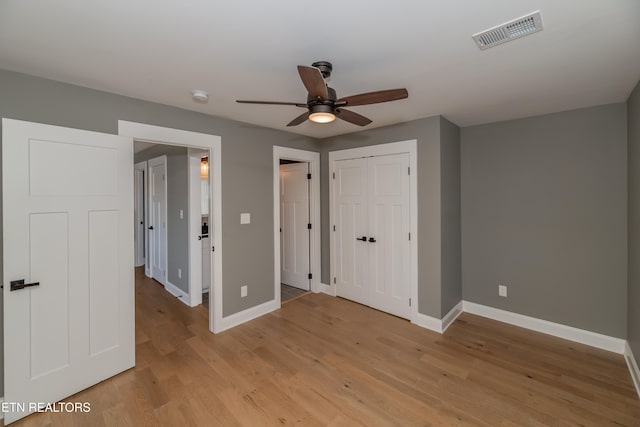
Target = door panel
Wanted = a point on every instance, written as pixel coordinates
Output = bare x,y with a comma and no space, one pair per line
294,213
389,226
68,223
157,218
351,224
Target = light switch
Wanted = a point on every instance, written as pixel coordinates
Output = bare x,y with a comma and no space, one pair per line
245,218
181,214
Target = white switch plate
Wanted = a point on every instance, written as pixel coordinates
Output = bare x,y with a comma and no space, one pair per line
502,290
245,218
181,214
243,291
179,273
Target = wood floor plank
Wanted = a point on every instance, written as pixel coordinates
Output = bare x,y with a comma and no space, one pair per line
325,361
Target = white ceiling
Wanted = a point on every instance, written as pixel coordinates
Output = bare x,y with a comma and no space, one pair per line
160,50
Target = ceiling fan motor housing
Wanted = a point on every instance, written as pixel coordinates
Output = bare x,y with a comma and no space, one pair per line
330,100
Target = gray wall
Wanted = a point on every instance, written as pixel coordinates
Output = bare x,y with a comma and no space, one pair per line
633,300
450,215
246,168
177,199
544,211
427,133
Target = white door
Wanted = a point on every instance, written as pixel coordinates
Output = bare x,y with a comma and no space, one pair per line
294,220
351,229
371,208
388,236
68,227
157,227
138,211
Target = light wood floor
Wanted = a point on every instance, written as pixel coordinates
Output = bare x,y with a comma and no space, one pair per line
326,361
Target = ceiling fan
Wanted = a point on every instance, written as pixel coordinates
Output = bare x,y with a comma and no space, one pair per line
323,105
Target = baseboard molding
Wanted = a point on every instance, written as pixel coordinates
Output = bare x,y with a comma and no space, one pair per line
177,292
451,316
633,367
604,342
435,324
236,319
325,289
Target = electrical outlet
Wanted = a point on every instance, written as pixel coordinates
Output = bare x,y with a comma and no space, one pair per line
502,290
243,291
179,273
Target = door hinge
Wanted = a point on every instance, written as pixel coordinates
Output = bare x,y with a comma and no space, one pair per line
334,175
310,276
308,176
213,248
309,226
334,280
334,228
409,170
409,302
409,236
281,229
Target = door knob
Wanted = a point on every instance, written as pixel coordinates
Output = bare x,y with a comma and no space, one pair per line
372,240
151,227
363,238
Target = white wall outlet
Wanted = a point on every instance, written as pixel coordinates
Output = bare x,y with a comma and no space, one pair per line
502,290
179,273
243,291
245,218
181,214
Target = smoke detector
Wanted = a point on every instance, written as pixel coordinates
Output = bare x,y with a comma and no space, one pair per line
519,27
200,96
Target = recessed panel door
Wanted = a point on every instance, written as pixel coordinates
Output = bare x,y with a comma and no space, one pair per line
157,227
68,261
294,220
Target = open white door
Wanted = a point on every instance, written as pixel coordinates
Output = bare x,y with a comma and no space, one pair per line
139,181
68,235
157,222
294,213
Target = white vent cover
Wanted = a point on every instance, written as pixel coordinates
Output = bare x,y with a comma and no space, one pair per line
520,27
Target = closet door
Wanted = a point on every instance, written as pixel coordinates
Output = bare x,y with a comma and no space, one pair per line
388,234
351,217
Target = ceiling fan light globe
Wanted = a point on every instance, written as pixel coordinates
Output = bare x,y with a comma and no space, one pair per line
322,117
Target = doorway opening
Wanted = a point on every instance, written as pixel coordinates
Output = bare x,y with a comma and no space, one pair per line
184,204
296,204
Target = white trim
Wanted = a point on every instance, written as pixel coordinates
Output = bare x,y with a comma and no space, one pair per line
213,143
326,289
438,325
633,366
177,292
1,413
254,312
451,316
410,147
593,339
313,158
142,167
427,322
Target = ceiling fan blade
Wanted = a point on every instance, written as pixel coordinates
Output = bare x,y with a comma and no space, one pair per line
313,81
297,104
351,117
300,119
374,97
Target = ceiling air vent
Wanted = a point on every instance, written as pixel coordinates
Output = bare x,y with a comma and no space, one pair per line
520,27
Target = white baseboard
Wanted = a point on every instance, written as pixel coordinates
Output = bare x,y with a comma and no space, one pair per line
451,316
326,289
435,324
604,342
633,367
177,292
248,314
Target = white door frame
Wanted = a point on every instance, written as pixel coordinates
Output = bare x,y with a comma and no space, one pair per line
381,150
141,200
195,226
313,158
160,232
212,143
